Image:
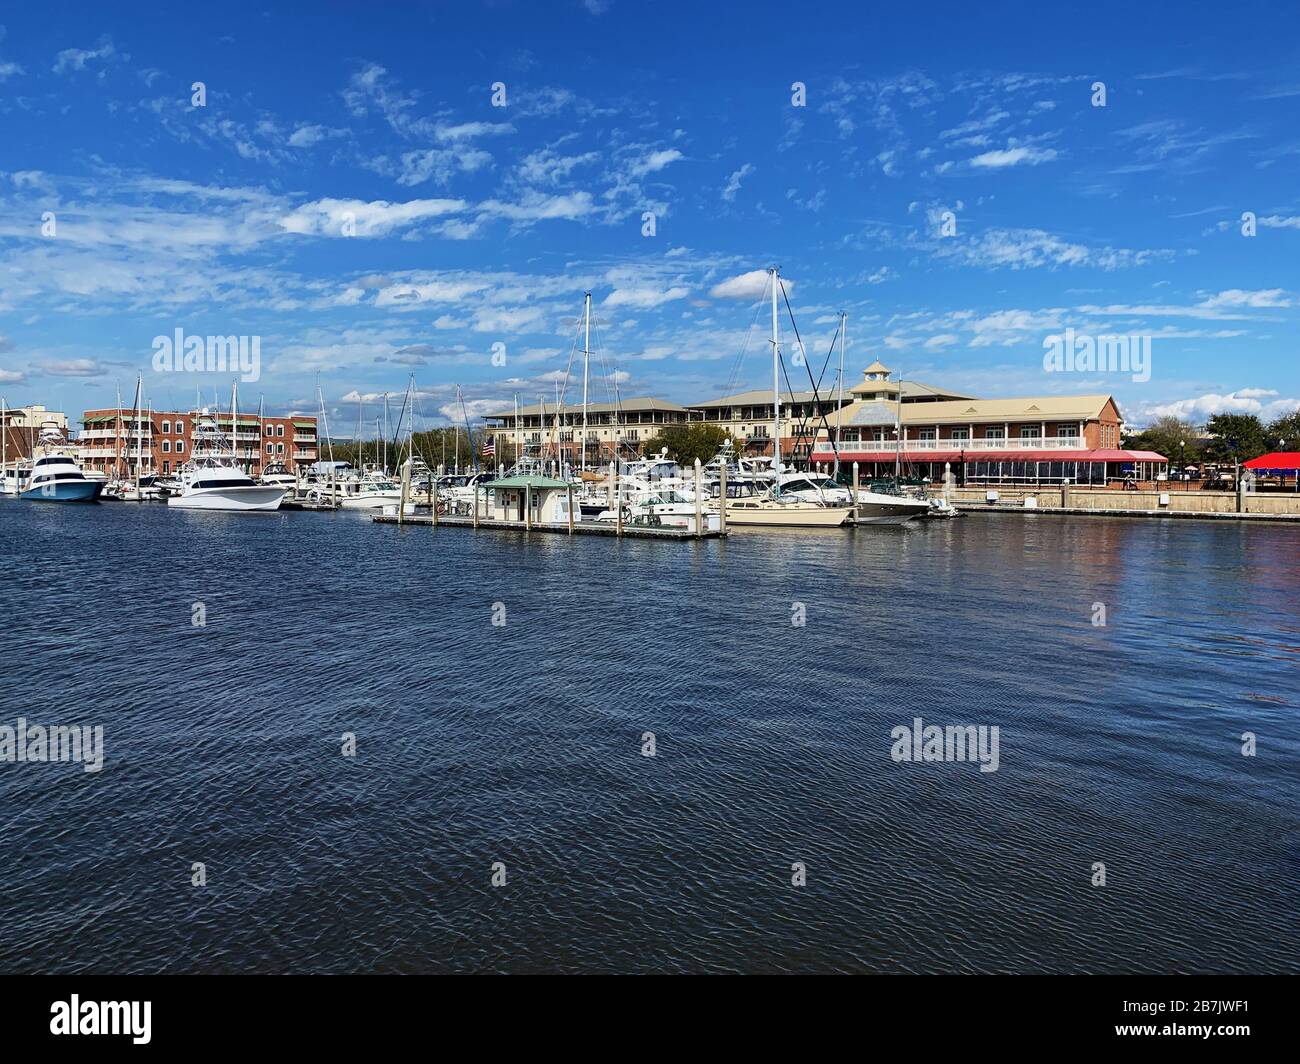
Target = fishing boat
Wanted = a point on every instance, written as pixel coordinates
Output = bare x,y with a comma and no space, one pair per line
373,492
212,479
277,475
774,508
55,476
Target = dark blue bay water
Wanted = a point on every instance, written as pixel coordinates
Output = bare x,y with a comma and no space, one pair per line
522,744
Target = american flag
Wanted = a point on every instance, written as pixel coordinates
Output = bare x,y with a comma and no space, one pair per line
490,447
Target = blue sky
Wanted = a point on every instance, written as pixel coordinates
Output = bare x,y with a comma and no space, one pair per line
473,225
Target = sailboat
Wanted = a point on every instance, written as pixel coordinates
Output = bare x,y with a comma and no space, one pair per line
775,509
56,477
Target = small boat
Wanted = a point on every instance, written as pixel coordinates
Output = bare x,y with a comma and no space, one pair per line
663,509
277,475
784,511
212,479
374,492
56,477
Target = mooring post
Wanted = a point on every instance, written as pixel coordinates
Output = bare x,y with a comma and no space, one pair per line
476,504
528,506
570,509
406,491
722,499
699,500
609,487
618,503
855,492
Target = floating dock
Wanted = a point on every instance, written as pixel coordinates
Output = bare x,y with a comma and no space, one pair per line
579,528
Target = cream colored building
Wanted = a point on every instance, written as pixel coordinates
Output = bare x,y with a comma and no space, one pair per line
539,429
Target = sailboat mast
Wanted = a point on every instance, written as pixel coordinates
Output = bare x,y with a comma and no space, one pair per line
586,365
234,419
776,388
839,397
139,444
261,405
898,432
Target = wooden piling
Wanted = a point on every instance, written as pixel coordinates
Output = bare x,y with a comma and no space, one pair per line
699,500
570,509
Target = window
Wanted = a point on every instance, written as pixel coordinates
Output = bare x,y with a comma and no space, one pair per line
994,434
270,430
925,434
166,426
1028,432
167,467
180,426
961,434
1067,432
279,448
279,431
167,446
270,448
180,446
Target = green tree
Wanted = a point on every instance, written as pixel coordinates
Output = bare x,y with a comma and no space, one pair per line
1169,436
1283,433
686,443
1235,438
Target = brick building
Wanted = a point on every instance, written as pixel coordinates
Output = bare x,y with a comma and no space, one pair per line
108,441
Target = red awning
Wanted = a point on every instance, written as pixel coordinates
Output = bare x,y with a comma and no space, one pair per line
1283,461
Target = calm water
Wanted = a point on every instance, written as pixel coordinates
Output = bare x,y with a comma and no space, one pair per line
522,744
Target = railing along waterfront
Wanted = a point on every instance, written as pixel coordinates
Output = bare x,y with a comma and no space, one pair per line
887,447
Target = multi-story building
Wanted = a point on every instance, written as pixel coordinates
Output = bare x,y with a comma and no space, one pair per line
112,441
748,417
21,426
1030,440
611,427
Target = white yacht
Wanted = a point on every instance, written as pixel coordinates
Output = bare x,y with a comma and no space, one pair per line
662,509
55,475
374,491
212,479
277,475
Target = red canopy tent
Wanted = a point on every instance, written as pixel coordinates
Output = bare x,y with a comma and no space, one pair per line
1277,462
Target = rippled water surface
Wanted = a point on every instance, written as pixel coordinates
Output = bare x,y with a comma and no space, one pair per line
522,744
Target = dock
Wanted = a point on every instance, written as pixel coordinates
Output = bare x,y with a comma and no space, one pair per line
579,528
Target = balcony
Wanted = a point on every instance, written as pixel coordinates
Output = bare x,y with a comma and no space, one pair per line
1022,443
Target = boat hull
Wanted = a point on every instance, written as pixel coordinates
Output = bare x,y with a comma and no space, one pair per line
788,516
874,508
236,497
65,491
372,501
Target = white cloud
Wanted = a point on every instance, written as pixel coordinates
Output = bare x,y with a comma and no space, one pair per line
1237,297
751,285
655,161
644,296
1242,401
77,58
733,182
328,217
1013,157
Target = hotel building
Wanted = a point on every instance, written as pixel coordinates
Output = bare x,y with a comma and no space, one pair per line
538,429
111,441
